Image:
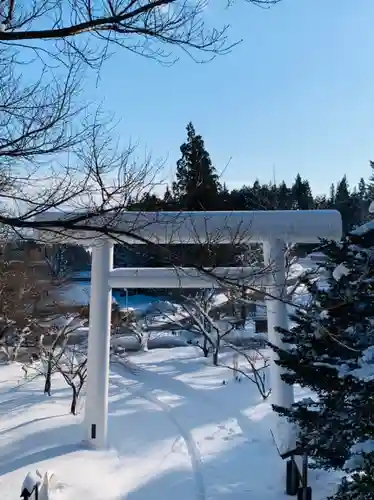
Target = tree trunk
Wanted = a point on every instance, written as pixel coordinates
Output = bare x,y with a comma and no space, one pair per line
16,349
74,401
216,350
243,316
144,341
205,347
48,378
47,385
215,356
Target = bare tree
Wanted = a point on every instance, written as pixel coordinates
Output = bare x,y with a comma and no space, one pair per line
199,308
59,330
141,26
72,365
215,333
55,150
200,321
24,287
257,363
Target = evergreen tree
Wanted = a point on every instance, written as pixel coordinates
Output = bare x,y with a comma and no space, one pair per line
284,197
342,191
254,197
272,195
359,484
359,209
150,202
321,202
370,184
168,201
362,189
343,203
197,185
351,205
325,347
332,195
236,200
362,202
301,194
224,199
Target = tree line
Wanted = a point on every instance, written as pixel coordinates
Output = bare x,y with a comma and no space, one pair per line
197,186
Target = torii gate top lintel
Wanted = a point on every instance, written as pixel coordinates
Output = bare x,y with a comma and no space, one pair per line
292,226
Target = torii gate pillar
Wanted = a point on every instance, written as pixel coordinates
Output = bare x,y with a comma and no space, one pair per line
98,357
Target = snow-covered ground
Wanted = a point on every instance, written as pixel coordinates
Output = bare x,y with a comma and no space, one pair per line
160,339
175,431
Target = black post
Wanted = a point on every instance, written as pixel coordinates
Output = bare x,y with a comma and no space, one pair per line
305,492
26,494
292,477
304,479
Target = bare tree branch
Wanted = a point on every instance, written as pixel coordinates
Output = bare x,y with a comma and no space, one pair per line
141,26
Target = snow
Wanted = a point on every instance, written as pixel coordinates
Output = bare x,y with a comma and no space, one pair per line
364,447
156,340
138,302
175,430
365,369
74,293
364,228
219,299
359,451
69,323
371,208
299,267
178,338
340,271
30,482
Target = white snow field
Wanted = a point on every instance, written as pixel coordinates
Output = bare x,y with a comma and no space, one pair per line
175,430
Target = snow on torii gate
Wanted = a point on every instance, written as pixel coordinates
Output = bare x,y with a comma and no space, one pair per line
272,228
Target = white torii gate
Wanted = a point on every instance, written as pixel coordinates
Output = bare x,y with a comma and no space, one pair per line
272,228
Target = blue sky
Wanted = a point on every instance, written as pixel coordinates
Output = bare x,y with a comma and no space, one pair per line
297,94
